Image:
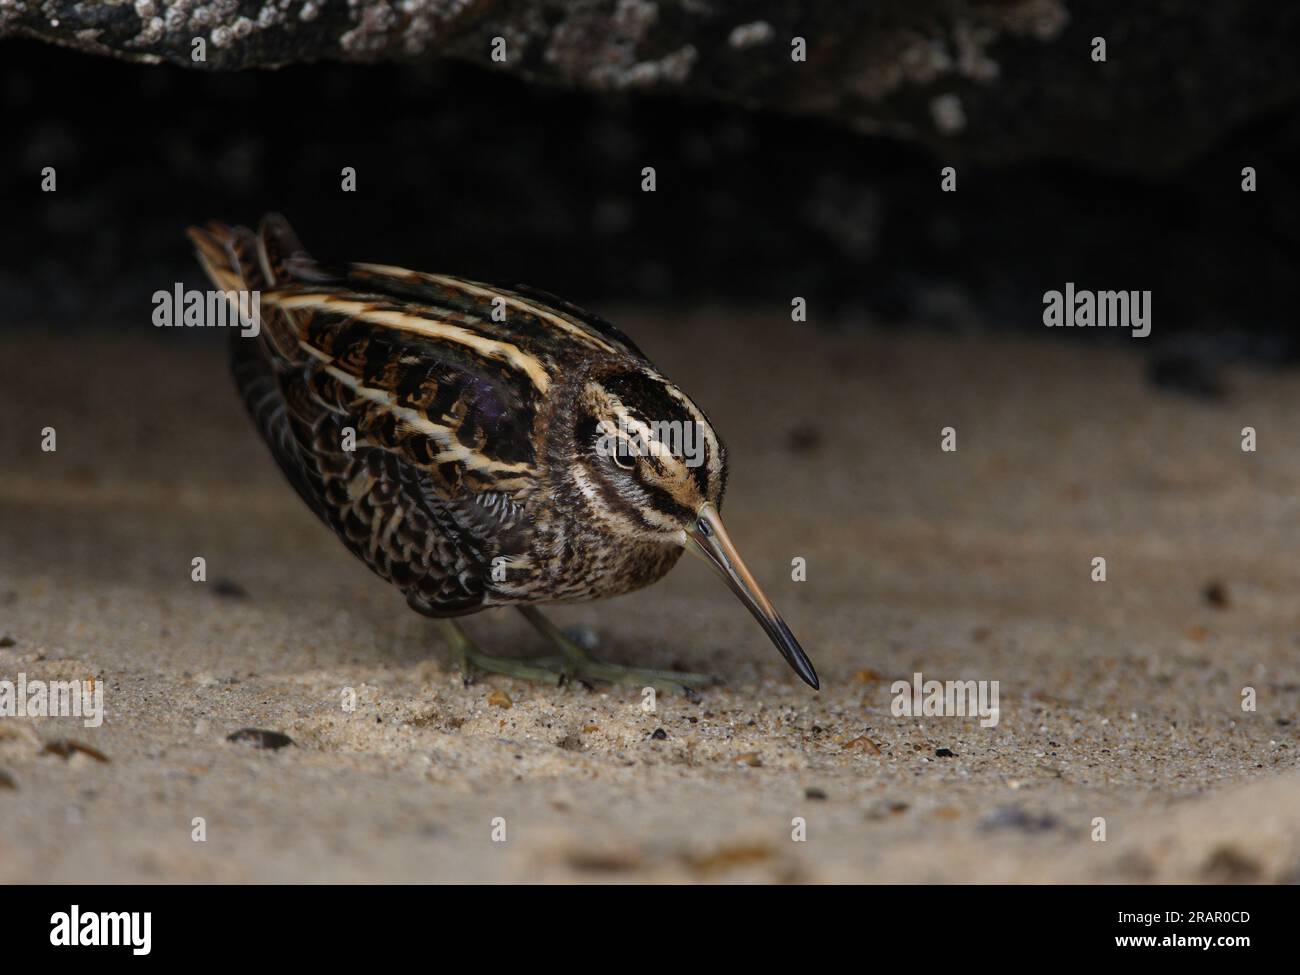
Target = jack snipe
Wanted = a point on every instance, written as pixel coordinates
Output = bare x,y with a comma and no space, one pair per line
478,446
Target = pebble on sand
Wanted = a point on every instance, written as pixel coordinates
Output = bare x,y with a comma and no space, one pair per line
261,738
65,748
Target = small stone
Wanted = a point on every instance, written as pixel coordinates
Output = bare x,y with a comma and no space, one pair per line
815,794
1215,594
728,858
7,641
867,676
884,808
261,738
659,735
751,759
944,753
1014,817
864,743
7,781
229,588
65,748
500,699
1229,865
751,34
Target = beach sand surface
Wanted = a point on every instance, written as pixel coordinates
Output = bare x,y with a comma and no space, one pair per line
1122,751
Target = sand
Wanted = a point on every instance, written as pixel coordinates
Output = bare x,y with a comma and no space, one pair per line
1120,701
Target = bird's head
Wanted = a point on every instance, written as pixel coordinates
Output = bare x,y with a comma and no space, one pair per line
650,468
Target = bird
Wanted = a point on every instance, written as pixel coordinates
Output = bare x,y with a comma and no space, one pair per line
479,446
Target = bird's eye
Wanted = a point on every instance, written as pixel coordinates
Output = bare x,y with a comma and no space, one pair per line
705,529
623,458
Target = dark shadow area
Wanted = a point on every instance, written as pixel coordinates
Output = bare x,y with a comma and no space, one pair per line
462,170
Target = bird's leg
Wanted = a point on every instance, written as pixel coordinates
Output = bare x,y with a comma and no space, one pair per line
470,658
574,662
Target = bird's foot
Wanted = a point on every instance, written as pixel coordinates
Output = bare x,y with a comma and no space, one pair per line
663,681
471,660
573,663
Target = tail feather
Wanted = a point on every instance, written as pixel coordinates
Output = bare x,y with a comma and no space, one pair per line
277,244
235,259
218,251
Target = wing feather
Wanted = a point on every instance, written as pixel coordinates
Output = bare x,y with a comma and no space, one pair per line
416,451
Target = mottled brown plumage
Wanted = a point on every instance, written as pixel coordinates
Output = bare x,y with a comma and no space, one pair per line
447,431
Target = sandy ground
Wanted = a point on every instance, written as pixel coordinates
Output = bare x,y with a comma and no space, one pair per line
1119,700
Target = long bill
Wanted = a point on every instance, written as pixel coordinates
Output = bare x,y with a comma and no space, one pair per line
709,540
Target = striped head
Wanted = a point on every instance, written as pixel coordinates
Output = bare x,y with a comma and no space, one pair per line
647,458
649,468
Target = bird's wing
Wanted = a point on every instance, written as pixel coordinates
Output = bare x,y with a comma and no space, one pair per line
535,317
408,433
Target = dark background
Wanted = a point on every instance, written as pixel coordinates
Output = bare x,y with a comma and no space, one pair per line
469,171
